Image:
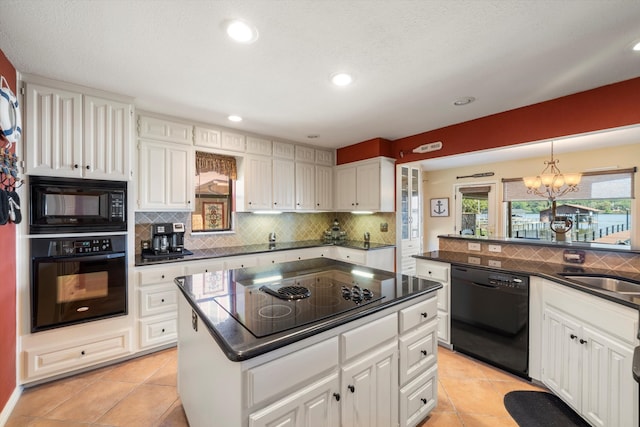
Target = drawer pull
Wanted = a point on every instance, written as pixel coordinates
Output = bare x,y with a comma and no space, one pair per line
583,341
337,396
573,337
163,330
424,314
424,401
351,388
424,352
162,300
163,276
82,352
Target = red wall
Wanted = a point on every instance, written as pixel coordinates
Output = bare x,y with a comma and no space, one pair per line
605,107
8,283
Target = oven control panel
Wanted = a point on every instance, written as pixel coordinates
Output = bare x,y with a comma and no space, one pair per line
80,247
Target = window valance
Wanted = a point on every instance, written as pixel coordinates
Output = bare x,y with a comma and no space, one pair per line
209,162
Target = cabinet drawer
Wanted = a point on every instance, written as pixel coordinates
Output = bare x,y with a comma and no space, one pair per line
418,314
158,299
204,267
156,331
278,376
154,276
64,358
418,398
368,336
418,350
428,270
350,255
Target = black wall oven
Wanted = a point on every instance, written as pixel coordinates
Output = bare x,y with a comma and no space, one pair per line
72,205
490,317
75,280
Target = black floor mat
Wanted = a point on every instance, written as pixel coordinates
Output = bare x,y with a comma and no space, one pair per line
541,409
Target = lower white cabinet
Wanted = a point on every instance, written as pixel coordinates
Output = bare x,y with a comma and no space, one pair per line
587,353
382,259
439,272
419,398
314,405
370,388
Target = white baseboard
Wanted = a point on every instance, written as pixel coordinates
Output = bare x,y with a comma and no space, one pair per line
9,407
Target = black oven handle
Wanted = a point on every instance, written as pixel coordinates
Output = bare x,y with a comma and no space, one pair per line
84,257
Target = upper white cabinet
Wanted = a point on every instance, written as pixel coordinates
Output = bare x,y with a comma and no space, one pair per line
70,134
409,220
324,188
283,173
258,146
365,186
269,183
165,173
205,137
284,150
165,130
305,154
233,141
305,186
324,157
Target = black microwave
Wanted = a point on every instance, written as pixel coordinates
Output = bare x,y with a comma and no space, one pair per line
72,205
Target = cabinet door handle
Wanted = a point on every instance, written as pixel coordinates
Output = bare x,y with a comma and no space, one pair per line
351,388
424,401
573,337
425,314
87,167
337,396
75,166
583,341
162,300
424,352
82,352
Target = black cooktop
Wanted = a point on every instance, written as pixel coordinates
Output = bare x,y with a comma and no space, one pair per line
275,304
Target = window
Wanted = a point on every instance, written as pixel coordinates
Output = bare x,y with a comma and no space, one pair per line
600,210
476,210
214,183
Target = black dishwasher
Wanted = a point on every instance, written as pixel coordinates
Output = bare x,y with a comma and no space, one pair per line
490,317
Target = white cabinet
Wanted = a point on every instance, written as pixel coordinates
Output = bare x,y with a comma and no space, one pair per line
258,146
165,130
206,137
157,305
283,150
258,183
314,405
324,157
74,135
587,352
305,154
305,186
233,141
283,174
365,186
324,188
439,272
370,389
409,219
165,172
381,258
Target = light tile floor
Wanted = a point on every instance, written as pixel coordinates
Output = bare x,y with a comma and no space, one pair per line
142,392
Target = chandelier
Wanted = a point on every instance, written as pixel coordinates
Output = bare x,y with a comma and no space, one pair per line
551,184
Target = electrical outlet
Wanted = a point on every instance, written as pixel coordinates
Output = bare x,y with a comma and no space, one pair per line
495,248
475,246
495,263
384,227
474,260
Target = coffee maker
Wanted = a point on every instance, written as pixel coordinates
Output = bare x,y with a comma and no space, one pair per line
167,238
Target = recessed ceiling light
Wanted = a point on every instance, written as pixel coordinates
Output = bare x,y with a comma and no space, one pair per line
341,79
235,118
636,47
241,31
463,101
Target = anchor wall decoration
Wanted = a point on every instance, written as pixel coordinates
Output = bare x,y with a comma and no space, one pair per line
440,207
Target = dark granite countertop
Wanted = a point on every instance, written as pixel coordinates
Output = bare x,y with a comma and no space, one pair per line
199,254
550,271
201,291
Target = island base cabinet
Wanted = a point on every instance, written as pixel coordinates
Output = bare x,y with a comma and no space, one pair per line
370,390
418,398
313,406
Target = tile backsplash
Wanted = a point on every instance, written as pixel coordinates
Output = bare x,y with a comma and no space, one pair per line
610,260
289,227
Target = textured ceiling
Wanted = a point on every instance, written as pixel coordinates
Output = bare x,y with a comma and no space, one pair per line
411,59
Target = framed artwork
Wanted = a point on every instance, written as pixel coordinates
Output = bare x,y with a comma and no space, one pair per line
439,207
214,216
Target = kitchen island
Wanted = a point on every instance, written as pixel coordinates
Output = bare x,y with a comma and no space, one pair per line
353,346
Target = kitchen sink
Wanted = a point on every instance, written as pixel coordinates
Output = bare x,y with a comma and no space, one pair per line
607,283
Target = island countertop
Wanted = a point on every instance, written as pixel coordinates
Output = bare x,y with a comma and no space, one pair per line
220,298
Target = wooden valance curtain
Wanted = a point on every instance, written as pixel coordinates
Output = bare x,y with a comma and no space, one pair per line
209,162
